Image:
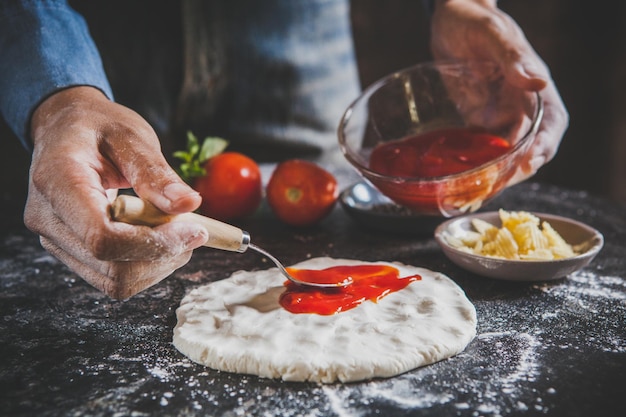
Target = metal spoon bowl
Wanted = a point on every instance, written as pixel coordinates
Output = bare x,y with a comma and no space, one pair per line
295,280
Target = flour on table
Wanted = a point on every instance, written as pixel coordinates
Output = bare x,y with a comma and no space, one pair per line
237,325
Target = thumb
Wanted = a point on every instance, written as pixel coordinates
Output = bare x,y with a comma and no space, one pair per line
160,185
526,74
169,193
143,165
521,65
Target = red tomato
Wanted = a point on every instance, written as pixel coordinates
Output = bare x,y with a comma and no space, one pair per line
301,193
231,188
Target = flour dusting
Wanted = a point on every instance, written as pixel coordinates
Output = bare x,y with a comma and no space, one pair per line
505,370
588,296
587,284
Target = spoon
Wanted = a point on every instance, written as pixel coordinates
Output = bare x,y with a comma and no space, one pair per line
134,210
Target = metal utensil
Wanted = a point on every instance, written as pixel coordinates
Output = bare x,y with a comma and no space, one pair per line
134,210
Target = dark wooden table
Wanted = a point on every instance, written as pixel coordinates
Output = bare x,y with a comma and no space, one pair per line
556,348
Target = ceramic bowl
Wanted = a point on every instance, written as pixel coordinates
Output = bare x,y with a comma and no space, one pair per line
575,233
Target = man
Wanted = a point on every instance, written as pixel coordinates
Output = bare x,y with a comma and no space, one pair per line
55,96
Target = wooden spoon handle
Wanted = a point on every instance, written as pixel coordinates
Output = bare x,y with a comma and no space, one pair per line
134,210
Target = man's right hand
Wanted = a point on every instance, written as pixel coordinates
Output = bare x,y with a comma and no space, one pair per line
85,148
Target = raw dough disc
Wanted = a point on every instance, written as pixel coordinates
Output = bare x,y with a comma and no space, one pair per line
237,325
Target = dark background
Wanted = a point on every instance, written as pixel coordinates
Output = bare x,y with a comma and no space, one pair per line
584,46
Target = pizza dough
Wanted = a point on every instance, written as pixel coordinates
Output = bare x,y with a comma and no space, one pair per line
237,325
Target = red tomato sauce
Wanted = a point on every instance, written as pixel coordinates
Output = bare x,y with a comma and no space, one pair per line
437,153
369,282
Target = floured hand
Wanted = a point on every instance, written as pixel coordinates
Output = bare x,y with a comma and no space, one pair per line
478,30
85,148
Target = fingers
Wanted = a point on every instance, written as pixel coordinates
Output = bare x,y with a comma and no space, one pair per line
525,73
548,138
551,131
116,258
80,153
554,125
467,30
134,149
530,73
509,47
84,148
108,240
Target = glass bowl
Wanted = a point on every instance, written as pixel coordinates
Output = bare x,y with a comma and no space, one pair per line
430,98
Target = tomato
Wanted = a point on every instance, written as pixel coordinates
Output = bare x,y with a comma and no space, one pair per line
301,193
231,187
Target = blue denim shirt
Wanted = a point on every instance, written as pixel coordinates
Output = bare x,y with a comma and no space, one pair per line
292,66
44,47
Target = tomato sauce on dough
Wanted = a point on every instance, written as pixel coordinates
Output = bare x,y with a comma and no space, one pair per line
369,282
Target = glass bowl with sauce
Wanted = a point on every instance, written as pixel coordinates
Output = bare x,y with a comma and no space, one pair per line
443,138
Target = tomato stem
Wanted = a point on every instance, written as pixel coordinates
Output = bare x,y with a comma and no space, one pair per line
293,194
